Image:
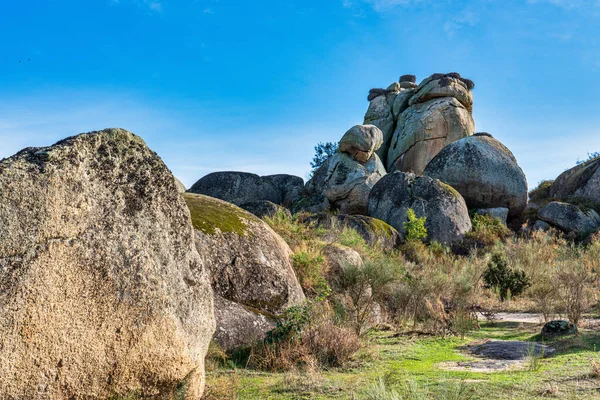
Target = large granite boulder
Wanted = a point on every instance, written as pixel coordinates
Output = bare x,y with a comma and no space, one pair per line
570,218
483,171
337,258
237,187
102,291
447,214
439,113
346,183
249,263
581,181
376,232
558,327
361,141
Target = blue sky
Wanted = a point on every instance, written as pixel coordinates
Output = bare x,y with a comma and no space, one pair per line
254,85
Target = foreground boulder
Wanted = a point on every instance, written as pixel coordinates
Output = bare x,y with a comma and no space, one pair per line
581,181
440,113
102,292
447,214
570,218
249,265
483,171
346,183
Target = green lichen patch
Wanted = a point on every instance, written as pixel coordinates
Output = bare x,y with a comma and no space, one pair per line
381,227
212,216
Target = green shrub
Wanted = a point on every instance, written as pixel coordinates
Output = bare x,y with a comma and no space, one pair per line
309,265
542,192
415,227
322,152
290,324
351,238
506,281
487,230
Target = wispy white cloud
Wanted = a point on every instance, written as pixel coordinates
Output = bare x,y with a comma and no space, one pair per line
379,5
151,5
465,19
567,4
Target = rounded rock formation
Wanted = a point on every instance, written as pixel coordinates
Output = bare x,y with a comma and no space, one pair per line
237,187
248,262
102,291
445,209
361,141
570,218
483,171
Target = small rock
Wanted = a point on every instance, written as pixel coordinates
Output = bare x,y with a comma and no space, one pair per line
558,328
541,226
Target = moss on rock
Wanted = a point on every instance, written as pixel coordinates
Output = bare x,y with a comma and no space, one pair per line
211,216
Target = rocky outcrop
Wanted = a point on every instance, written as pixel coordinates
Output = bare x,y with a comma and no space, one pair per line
445,209
346,183
180,186
581,181
380,115
439,113
483,171
570,218
376,232
265,209
102,291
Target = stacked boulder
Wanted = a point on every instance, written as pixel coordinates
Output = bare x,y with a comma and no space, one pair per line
251,274
386,105
447,216
346,178
427,118
484,172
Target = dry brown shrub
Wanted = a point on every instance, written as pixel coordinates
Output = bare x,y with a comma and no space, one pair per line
332,345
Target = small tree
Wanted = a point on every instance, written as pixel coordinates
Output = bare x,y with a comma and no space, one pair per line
415,227
366,285
322,152
505,280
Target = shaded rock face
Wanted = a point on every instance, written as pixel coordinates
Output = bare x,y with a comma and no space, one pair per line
447,214
380,115
239,326
289,186
265,208
376,232
483,171
249,263
570,218
424,129
558,328
346,183
541,226
237,187
361,141
581,181
103,293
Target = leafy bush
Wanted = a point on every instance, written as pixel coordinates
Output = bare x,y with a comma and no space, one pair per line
322,152
374,93
498,276
408,78
542,192
487,230
415,227
367,284
309,265
590,156
332,345
290,324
